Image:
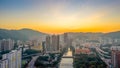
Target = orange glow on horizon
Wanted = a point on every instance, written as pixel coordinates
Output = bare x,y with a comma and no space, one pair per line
56,17
58,28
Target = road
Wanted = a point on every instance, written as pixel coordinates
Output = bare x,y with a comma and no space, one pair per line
32,62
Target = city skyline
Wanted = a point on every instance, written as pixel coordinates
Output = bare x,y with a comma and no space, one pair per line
59,16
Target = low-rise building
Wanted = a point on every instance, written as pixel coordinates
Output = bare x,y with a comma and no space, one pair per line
82,51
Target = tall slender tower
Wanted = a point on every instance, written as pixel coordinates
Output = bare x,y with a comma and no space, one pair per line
66,39
48,48
55,43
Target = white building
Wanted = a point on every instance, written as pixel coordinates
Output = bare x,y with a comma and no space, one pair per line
115,56
12,59
4,63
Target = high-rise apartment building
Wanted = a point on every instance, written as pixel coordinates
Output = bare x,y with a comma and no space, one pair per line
11,60
0,46
55,43
48,44
65,38
4,63
52,44
115,56
6,44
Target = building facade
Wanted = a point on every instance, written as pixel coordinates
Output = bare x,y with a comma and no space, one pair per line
115,56
6,44
11,60
52,44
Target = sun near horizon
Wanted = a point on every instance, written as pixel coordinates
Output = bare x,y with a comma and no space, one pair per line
59,16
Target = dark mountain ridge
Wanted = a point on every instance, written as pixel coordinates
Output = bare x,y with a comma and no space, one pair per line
22,34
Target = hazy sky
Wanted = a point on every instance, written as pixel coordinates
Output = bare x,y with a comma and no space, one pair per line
58,16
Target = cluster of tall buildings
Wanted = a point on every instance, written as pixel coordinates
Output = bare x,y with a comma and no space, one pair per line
11,59
52,44
6,44
115,56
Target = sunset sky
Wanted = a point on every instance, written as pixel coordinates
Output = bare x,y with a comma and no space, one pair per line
58,16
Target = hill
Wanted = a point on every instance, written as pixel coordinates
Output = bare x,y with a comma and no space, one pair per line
113,34
22,34
27,34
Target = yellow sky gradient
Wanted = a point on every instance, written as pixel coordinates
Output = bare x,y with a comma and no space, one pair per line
64,16
58,28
